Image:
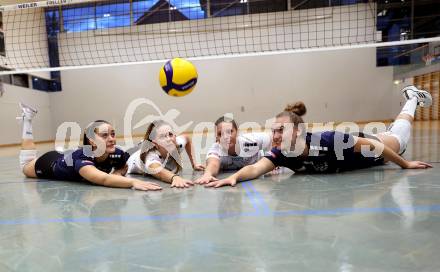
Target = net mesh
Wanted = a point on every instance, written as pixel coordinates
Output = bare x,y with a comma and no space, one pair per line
76,33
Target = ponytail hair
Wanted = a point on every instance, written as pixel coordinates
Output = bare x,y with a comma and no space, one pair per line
299,108
294,111
148,146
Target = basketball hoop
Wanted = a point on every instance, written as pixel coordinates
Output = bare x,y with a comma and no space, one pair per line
428,59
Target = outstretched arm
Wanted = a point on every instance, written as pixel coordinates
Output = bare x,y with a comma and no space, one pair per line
252,171
212,169
92,174
163,174
389,155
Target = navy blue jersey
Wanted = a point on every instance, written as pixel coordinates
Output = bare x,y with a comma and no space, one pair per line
67,166
324,156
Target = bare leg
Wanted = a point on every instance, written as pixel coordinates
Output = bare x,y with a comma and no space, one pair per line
28,144
29,169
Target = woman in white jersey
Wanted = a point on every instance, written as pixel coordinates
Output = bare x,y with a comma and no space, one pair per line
232,152
160,155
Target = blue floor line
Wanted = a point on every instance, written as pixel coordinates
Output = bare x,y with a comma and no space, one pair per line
258,214
256,198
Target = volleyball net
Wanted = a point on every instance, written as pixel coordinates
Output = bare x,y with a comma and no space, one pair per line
64,34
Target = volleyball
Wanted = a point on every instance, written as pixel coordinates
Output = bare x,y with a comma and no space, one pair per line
178,77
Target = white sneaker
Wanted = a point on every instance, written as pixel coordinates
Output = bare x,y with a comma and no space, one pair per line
424,98
27,112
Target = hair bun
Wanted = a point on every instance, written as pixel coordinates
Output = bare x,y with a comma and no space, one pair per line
299,108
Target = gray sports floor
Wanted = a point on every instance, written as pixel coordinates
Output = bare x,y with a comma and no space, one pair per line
378,219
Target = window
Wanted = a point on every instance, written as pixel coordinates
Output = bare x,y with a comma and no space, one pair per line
191,9
40,84
228,7
153,11
120,13
92,16
79,19
158,11
46,85
115,14
6,79
241,7
259,6
21,80
301,4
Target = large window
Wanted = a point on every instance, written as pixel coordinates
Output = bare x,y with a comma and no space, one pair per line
116,14
78,19
242,7
96,15
304,4
158,11
119,13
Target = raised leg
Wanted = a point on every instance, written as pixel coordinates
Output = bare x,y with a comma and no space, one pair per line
28,153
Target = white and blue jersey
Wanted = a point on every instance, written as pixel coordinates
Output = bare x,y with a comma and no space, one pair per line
251,147
137,166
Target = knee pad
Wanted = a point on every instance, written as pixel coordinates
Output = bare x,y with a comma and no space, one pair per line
401,130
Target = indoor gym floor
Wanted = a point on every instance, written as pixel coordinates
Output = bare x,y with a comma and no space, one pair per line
378,219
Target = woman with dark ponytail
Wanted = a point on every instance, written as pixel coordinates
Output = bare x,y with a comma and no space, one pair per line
333,151
99,161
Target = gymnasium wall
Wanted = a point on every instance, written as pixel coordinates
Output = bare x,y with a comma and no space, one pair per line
335,85
9,109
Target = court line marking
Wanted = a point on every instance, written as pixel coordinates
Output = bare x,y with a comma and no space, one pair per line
256,214
261,210
256,199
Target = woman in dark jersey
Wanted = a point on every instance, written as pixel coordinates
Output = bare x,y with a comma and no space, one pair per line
99,161
332,151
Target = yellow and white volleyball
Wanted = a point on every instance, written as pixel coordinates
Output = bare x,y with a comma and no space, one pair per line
178,77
